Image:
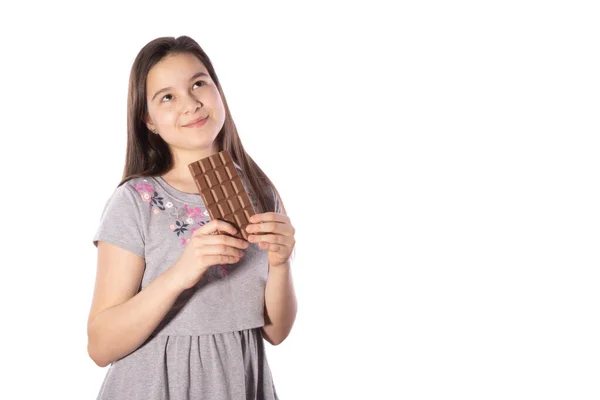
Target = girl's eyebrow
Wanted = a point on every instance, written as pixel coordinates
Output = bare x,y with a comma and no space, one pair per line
196,75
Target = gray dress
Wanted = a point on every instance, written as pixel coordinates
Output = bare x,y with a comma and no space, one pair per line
209,345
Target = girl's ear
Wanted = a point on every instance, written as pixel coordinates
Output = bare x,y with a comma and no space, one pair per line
148,123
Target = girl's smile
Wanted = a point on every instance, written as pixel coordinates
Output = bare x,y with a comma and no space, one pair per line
197,124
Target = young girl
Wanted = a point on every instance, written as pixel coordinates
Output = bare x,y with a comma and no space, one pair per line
180,312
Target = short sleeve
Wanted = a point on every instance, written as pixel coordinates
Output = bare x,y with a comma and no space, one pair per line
121,222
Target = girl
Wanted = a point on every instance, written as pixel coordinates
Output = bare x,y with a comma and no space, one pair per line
178,311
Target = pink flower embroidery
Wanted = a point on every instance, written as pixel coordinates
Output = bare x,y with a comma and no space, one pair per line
192,212
146,196
223,270
172,227
143,187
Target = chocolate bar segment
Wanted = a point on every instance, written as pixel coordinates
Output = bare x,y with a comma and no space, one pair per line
222,191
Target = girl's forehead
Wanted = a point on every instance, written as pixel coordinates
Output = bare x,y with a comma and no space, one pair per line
179,64
175,70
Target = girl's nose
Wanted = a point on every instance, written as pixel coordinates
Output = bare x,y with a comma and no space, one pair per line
190,104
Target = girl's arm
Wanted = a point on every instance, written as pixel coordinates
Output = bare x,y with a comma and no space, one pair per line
121,319
280,302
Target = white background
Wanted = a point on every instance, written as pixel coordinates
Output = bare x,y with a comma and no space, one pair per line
439,161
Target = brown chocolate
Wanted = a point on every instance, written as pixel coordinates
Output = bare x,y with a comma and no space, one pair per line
222,191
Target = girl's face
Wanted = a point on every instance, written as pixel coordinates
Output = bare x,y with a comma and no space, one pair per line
179,91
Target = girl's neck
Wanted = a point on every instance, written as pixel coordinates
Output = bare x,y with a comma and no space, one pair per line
180,173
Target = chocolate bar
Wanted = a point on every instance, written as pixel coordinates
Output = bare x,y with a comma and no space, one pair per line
222,191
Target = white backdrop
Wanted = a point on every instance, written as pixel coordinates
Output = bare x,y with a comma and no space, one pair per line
439,161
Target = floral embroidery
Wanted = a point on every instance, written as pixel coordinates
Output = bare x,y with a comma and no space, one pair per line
215,272
188,219
149,195
177,212
157,200
182,227
143,187
224,270
192,212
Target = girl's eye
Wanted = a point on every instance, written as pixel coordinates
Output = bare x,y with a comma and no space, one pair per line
194,84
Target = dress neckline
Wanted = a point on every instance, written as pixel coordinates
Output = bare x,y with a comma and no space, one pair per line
190,198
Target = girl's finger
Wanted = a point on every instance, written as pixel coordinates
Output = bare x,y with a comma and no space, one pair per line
214,226
269,216
275,227
270,246
272,239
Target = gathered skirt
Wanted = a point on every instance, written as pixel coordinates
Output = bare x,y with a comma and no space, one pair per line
223,366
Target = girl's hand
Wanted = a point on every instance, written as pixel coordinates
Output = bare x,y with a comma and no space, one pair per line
273,232
205,249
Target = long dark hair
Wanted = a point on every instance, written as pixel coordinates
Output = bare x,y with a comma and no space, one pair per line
149,155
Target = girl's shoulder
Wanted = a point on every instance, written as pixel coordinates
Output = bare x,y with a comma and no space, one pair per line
133,192
138,184
133,182
143,188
